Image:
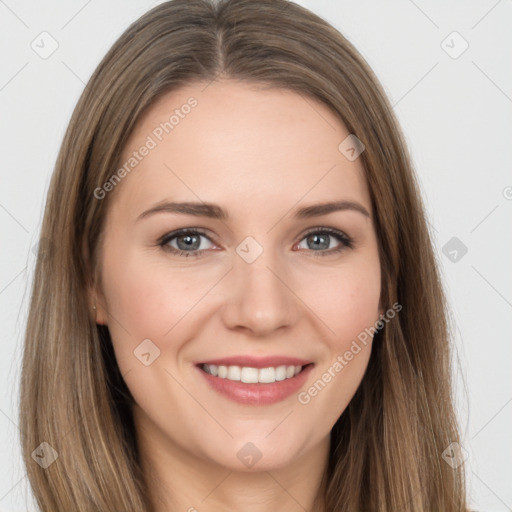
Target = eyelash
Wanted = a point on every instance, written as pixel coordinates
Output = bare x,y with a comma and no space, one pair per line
346,242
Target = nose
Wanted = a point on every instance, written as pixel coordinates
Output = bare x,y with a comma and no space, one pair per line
259,298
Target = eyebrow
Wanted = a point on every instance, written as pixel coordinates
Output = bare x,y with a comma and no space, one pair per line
214,211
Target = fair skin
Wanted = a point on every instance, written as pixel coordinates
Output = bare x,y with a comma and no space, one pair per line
260,154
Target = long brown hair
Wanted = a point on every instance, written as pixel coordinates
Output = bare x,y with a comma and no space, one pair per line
386,447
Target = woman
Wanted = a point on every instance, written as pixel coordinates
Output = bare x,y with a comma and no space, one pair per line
188,346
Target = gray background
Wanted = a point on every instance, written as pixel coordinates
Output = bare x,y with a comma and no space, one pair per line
455,109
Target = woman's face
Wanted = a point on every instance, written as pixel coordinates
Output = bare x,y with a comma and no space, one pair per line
265,279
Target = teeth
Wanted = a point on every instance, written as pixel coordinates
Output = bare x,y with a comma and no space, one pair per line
252,375
281,373
234,373
249,375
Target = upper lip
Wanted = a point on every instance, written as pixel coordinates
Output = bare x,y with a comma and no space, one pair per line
257,362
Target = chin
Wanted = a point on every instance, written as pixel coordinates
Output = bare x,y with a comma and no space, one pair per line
255,456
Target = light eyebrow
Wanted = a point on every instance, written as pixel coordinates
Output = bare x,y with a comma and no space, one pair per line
214,211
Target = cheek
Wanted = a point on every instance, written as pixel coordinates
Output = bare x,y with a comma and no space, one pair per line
149,299
150,302
347,301
349,307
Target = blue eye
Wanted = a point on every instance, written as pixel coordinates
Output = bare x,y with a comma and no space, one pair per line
320,238
188,242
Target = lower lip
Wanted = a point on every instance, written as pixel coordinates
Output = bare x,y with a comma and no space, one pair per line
257,394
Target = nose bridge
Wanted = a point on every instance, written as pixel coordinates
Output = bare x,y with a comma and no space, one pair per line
259,299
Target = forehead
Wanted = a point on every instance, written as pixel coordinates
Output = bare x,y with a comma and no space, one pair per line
240,145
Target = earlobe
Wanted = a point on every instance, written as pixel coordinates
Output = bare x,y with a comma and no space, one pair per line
97,309
94,313
99,312
94,295
381,309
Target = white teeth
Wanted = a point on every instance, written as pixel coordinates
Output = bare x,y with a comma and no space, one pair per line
252,375
234,373
249,375
281,372
266,375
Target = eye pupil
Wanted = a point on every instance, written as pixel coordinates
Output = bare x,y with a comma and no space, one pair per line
316,237
189,241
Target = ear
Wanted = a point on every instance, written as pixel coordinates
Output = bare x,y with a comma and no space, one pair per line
95,297
97,305
381,308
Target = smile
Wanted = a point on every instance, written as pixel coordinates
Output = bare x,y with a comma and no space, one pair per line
251,375
249,385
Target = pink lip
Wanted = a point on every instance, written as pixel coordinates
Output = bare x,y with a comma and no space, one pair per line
257,394
257,362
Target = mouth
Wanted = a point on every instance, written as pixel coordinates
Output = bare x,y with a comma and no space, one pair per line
253,375
256,381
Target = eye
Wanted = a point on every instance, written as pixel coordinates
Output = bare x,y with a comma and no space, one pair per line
320,238
187,242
